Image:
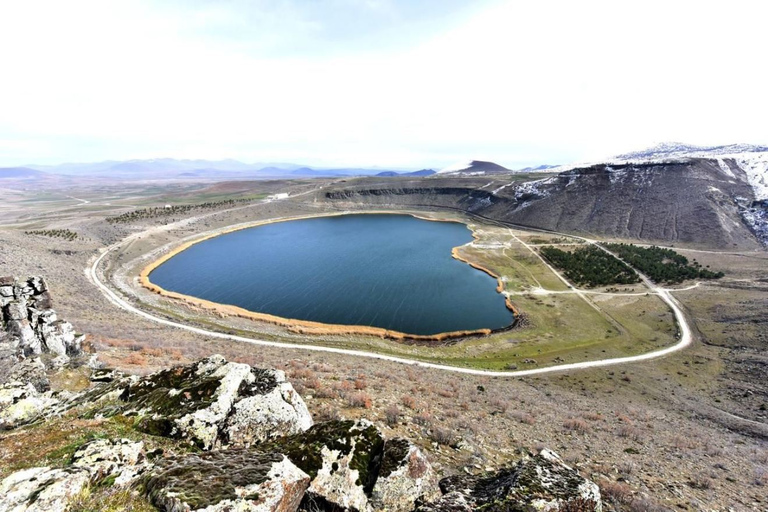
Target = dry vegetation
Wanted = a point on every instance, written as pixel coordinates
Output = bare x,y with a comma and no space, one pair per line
683,433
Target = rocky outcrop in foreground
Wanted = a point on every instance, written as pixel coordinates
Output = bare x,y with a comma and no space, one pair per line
251,445
29,329
541,482
242,440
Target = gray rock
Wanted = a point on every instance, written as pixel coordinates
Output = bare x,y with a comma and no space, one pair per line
38,284
29,322
41,489
341,457
210,403
16,310
542,482
405,475
21,403
236,479
30,370
118,458
262,416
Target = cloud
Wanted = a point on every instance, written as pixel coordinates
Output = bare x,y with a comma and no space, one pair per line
515,82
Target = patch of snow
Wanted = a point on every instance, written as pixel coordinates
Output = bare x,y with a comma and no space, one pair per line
755,165
725,168
753,160
532,188
494,192
713,189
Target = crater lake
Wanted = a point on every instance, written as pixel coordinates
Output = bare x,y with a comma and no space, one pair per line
393,272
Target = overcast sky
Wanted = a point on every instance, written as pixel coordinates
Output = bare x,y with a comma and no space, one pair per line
401,83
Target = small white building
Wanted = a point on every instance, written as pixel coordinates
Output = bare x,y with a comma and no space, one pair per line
277,197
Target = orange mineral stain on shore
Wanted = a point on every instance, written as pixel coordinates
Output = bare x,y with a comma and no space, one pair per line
307,326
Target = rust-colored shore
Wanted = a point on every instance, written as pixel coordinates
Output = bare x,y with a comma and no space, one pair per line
306,326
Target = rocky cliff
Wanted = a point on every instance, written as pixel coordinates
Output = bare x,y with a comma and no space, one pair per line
694,201
238,438
29,325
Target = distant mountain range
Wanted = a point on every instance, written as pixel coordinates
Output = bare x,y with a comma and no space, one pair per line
20,173
422,172
169,169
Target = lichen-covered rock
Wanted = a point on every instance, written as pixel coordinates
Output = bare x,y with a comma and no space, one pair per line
118,460
404,476
21,403
30,370
210,403
268,415
41,489
543,483
239,479
341,457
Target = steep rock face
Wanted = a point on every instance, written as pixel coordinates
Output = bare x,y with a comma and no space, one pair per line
692,201
542,482
29,324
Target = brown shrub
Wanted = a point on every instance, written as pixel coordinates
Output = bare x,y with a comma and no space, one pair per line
324,391
360,399
408,401
630,432
617,493
392,415
444,435
576,424
135,359
522,417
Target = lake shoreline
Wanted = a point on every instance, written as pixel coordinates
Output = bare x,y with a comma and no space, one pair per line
318,328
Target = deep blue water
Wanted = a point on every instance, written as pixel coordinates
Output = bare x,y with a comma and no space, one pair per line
389,271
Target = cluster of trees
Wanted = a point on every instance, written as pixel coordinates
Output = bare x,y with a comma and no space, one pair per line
54,233
662,265
590,266
166,211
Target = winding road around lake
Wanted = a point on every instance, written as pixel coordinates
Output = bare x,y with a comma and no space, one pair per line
685,339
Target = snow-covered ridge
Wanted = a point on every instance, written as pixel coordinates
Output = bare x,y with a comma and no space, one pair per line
751,159
674,150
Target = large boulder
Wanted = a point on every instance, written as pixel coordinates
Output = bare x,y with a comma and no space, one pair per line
119,460
341,457
210,403
21,403
542,482
236,479
46,489
42,489
404,476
